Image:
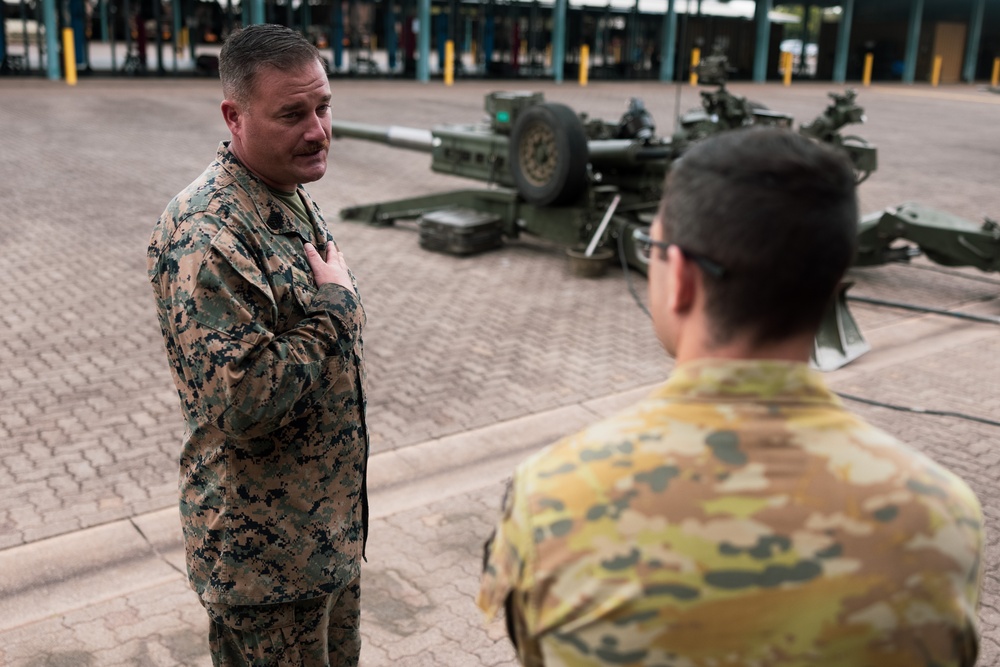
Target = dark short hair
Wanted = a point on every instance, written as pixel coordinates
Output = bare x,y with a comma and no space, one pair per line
779,212
247,50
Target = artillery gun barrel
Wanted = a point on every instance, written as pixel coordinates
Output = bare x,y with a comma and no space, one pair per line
410,138
625,152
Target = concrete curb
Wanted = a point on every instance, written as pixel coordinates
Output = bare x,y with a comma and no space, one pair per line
72,571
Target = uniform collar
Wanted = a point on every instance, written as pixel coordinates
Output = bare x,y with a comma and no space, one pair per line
727,379
268,208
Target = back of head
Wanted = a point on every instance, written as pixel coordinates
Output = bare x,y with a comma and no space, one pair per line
248,50
779,213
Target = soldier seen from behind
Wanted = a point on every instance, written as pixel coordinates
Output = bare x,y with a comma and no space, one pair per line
740,515
262,324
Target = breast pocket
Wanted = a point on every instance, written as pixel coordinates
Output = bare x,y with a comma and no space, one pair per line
294,290
303,288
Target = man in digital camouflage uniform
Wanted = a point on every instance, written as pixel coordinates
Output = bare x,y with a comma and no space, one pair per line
739,515
262,324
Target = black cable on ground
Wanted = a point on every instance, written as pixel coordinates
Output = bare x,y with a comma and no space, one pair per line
849,397
922,309
954,274
921,411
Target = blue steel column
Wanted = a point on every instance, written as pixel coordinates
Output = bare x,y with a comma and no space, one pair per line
913,41
256,11
972,47
390,35
177,27
424,41
337,38
51,39
843,41
760,50
558,39
668,43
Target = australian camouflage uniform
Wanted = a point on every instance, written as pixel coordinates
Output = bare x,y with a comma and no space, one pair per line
737,516
270,373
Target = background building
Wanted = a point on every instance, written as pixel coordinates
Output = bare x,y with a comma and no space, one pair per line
626,39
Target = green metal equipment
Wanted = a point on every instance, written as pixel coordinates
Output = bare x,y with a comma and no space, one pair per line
589,184
579,182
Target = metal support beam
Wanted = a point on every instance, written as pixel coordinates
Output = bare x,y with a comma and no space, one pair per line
337,36
390,35
805,38
176,32
51,39
972,44
158,35
668,43
843,41
256,12
558,39
913,41
424,41
761,48
103,8
632,39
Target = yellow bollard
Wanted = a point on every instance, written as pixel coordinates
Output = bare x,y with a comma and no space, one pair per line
548,55
69,56
936,72
584,64
995,79
786,57
695,59
867,78
449,62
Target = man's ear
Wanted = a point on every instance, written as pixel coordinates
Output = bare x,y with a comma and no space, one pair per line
684,281
233,115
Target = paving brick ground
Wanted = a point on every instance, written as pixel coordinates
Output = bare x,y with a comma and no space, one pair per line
89,424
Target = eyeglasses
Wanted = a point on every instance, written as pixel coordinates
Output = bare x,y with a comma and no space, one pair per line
644,244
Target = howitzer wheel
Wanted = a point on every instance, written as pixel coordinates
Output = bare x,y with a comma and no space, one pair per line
548,155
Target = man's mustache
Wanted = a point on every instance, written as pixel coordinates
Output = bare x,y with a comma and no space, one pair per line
314,148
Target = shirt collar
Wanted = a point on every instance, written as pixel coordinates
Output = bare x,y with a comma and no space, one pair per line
727,379
270,211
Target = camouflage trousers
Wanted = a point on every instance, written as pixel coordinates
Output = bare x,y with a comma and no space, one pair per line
320,632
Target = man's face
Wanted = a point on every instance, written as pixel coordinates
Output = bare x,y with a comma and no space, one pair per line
282,133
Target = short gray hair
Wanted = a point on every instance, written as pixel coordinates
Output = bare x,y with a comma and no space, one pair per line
248,50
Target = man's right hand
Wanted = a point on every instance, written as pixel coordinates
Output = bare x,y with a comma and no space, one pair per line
331,270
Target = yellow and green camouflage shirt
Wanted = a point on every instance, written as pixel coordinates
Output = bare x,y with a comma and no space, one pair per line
270,373
738,516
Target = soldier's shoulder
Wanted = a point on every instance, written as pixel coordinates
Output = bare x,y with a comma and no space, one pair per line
198,213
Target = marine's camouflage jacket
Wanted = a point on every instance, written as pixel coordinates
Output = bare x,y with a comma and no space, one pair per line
270,372
738,516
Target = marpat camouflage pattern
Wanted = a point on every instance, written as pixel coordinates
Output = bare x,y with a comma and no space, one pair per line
270,372
737,516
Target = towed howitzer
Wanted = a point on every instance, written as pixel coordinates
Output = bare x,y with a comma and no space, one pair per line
550,172
588,183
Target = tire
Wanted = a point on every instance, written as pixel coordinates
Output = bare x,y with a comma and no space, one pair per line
548,155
